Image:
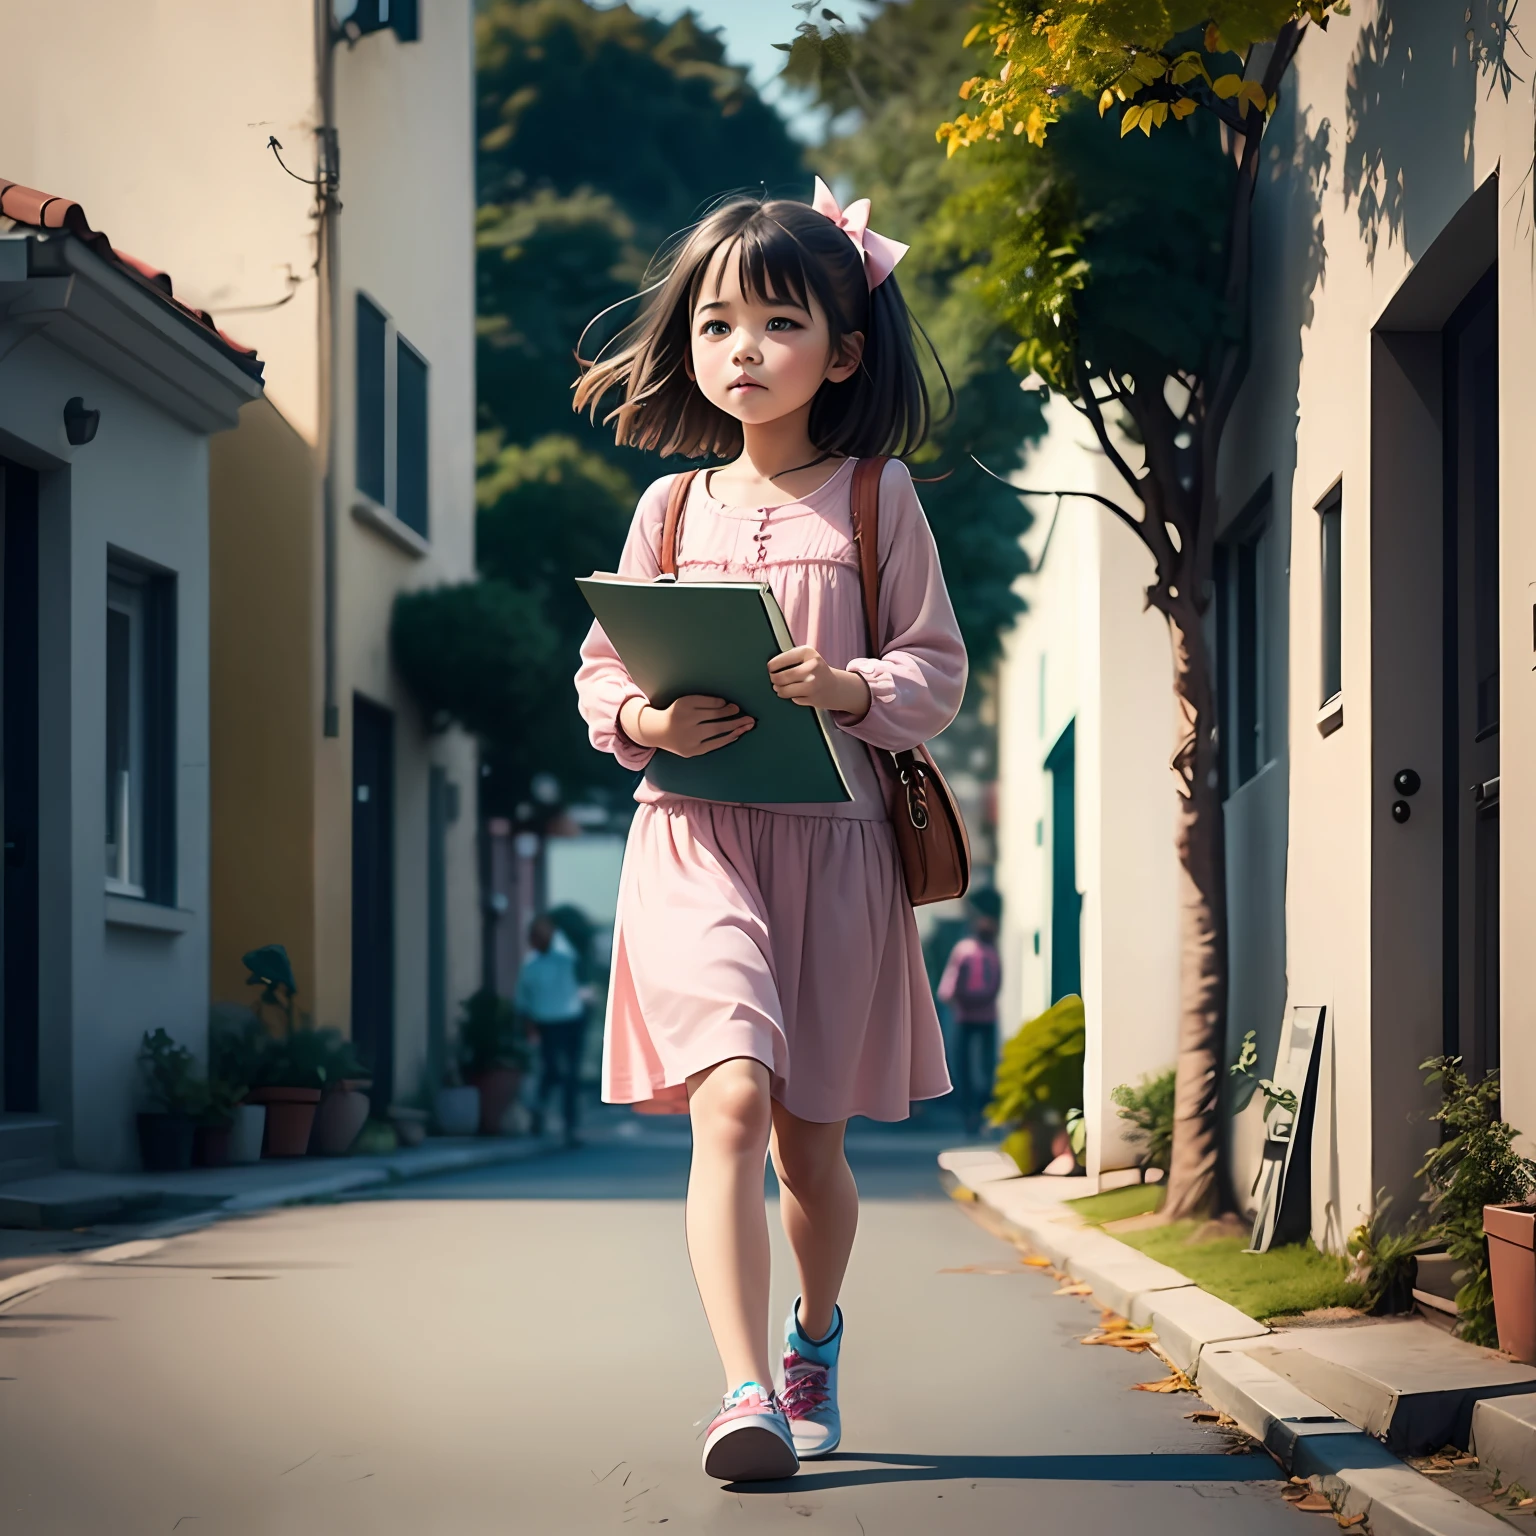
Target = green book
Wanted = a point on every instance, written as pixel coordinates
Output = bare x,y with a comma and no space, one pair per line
717,638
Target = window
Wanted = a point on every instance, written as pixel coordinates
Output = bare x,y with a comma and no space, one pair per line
1331,516
1242,577
392,464
140,733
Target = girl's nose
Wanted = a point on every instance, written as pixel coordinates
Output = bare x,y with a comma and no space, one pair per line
744,349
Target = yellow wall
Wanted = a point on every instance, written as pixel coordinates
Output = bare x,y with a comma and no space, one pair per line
262,708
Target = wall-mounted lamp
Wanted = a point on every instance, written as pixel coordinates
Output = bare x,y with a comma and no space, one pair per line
79,423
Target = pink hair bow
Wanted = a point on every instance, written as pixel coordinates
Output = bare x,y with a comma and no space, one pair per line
879,253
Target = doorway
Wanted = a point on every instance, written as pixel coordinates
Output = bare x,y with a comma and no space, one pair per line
1066,900
1471,679
18,787
373,893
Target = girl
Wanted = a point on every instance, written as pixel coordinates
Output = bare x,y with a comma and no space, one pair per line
767,976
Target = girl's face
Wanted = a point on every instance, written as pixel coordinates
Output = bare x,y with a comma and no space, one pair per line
757,360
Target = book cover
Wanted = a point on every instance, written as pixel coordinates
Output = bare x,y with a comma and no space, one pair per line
717,638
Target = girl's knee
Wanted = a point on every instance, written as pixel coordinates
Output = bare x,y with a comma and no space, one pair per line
732,1112
807,1168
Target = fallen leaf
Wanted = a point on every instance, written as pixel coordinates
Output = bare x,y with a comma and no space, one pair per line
1074,1290
1176,1382
1525,1503
1436,1471
961,1192
1464,1461
977,1269
1136,1343
1035,1261
1346,1521
1315,1504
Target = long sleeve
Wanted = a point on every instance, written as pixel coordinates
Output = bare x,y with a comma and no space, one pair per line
603,685
951,977
917,682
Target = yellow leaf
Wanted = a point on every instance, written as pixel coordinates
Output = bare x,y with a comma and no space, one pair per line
967,88
1018,128
1147,67
995,121
1183,107
1153,115
974,33
1034,1261
1187,69
1254,92
1035,127
1106,101
1129,121
1227,86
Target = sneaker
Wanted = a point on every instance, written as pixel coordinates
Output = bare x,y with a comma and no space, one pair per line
749,1440
810,1386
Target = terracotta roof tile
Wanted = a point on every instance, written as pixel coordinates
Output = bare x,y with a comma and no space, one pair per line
41,210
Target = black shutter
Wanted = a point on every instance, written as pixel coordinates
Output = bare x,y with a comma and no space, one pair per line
411,437
370,399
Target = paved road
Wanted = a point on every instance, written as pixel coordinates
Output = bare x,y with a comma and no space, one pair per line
522,1350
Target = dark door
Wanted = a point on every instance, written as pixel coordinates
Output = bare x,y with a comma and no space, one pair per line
1472,678
1066,900
373,893
18,784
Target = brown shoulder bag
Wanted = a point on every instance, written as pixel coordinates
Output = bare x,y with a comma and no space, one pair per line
930,831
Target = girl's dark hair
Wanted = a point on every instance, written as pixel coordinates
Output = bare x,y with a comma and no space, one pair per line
784,250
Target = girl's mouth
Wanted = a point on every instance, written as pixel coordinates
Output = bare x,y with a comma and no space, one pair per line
745,384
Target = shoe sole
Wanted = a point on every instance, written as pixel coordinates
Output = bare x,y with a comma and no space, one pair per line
748,1453
825,1449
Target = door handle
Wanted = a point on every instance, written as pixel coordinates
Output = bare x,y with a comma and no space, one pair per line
1486,792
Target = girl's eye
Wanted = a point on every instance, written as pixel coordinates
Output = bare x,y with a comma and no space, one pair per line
783,323
715,328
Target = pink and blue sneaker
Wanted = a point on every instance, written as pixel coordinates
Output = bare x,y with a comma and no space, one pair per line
810,1386
749,1440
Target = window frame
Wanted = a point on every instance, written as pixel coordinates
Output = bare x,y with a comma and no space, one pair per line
146,596
386,398
1243,577
1330,506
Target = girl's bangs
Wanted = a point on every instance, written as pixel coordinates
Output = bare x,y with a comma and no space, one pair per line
770,264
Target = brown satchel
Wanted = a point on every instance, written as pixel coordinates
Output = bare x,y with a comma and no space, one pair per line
930,832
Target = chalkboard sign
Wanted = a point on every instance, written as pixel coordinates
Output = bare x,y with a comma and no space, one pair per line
1284,1187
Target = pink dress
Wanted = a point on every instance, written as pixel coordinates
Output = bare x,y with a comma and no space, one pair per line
783,932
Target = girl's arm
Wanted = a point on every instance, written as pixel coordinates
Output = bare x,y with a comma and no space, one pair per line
603,685
917,681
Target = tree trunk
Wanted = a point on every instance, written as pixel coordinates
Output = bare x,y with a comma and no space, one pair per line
1194,1184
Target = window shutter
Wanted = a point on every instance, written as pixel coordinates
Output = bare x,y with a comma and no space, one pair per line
411,437
371,327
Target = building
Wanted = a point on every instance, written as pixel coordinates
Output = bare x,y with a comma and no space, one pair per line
307,172
1375,593
110,390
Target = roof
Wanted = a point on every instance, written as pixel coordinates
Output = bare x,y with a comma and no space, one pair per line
41,210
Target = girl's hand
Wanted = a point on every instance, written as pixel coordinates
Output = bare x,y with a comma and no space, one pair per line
690,727
805,676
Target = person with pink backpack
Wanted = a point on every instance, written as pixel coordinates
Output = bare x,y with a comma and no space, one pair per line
972,977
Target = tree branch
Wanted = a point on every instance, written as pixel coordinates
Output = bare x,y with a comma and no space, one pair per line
1091,404
1135,524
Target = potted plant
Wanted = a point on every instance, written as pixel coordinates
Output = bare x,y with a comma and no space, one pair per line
493,1053
1478,1186
1384,1264
344,1100
213,1139
292,1067
237,1044
176,1094
456,1105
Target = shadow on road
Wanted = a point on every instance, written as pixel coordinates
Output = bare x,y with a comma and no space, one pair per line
1170,1467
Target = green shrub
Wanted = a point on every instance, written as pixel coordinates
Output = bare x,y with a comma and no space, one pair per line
172,1083
1383,1262
1148,1109
490,1033
1039,1074
1475,1165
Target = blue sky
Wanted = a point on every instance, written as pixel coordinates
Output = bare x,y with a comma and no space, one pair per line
750,29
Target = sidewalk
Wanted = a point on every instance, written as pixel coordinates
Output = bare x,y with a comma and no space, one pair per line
71,1217
1333,1404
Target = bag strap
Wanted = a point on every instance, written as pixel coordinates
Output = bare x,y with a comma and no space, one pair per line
671,528
865,502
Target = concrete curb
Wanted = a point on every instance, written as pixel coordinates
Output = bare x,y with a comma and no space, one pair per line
374,1172
1204,1337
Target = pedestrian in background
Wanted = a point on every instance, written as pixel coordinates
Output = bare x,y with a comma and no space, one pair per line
972,977
553,1005
767,973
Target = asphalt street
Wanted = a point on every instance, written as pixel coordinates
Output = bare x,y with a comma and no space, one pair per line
521,1349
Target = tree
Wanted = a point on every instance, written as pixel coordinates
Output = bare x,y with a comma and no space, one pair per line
885,85
1086,270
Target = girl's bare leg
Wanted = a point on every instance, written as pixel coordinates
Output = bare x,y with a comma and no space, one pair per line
727,1222
819,1206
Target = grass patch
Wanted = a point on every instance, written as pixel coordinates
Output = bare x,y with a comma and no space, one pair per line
1116,1204
1295,1278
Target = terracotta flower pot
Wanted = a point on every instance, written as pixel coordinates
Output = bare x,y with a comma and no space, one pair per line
211,1144
290,1118
1511,1231
165,1142
342,1114
498,1088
